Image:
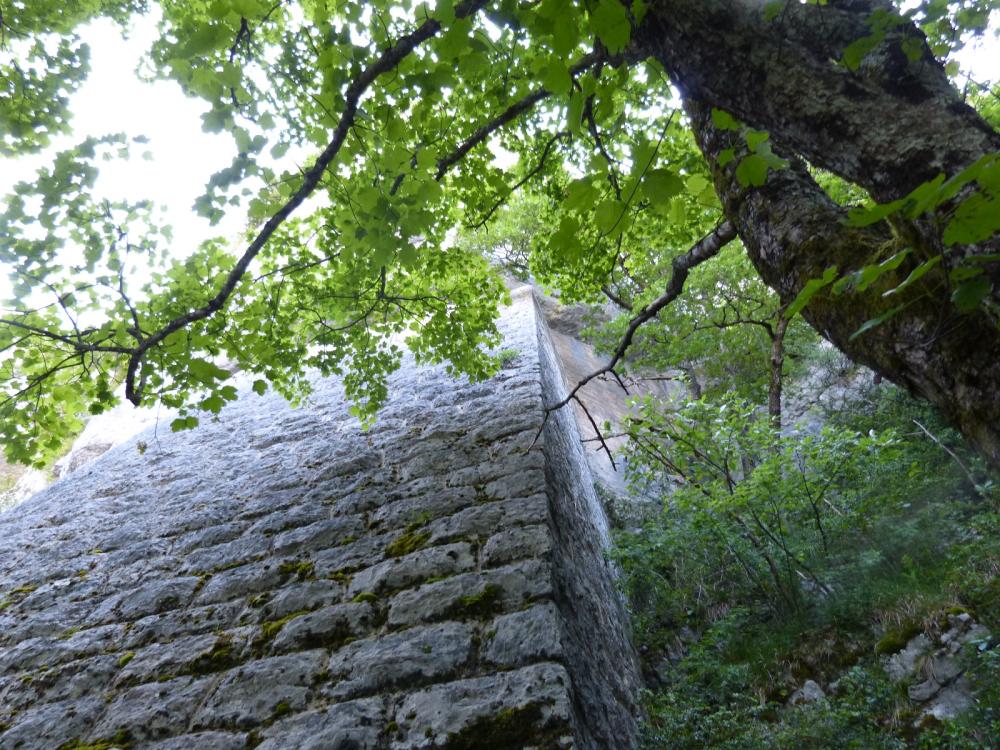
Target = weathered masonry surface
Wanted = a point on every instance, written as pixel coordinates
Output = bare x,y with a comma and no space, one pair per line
280,578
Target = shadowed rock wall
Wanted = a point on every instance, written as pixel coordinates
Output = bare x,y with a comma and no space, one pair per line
280,579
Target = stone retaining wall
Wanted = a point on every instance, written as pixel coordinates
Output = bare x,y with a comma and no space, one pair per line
280,579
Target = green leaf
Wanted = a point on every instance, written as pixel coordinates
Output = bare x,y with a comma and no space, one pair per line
565,37
206,372
773,9
557,79
565,242
875,322
976,219
809,290
915,274
972,292
608,214
574,112
660,185
869,274
855,52
723,120
456,39
444,11
609,20
213,404
697,183
581,195
183,423
259,387
752,171
756,139
863,217
639,9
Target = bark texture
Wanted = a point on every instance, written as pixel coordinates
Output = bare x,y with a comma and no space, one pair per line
793,231
889,126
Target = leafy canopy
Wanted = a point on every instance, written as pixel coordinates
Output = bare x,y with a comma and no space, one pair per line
361,134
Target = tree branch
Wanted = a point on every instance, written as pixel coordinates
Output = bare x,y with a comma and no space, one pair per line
707,247
388,60
520,183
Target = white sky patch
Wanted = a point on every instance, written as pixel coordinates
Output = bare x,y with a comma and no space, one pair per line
113,99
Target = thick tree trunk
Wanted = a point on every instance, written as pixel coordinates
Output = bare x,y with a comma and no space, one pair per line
889,126
793,231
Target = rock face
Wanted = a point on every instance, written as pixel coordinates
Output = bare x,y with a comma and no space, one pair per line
281,578
934,670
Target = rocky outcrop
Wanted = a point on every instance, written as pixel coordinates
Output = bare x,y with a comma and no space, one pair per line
282,578
931,664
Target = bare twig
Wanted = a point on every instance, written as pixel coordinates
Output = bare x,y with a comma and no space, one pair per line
520,183
588,114
950,452
78,345
707,247
597,433
513,111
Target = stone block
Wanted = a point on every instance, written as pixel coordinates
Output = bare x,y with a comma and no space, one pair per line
51,724
398,660
241,581
518,543
297,596
261,690
153,711
529,707
331,532
354,725
192,621
328,627
150,598
398,573
534,634
484,519
433,505
473,595
219,557
201,741
160,660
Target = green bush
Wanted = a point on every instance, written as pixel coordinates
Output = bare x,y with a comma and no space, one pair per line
773,559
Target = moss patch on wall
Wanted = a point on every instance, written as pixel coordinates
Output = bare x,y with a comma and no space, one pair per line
479,606
512,727
407,542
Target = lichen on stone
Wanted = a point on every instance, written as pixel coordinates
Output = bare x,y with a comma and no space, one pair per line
220,657
121,739
269,630
896,639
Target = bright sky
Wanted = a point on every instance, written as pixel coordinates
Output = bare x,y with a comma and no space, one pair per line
114,99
